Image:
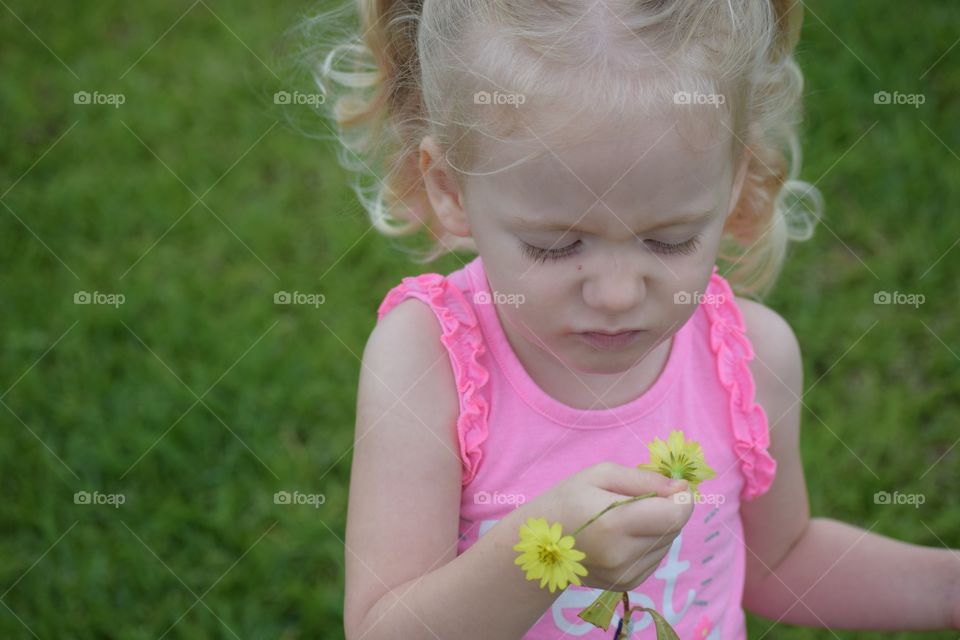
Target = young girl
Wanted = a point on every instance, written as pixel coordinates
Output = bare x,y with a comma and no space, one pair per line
600,158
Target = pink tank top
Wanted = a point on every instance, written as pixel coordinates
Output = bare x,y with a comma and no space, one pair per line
516,441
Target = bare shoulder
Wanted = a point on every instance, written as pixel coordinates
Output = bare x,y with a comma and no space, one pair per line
405,476
404,356
777,351
407,383
409,336
774,521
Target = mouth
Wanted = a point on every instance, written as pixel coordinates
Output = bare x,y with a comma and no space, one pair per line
607,341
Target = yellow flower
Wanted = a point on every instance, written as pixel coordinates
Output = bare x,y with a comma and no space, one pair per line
679,458
547,555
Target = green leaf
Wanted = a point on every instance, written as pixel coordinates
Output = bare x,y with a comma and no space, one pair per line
600,612
664,630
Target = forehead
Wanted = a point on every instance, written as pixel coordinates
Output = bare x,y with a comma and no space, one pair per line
661,160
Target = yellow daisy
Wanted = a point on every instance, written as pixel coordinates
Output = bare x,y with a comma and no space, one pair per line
679,458
547,555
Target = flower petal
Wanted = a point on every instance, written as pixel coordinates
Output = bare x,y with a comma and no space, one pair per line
555,531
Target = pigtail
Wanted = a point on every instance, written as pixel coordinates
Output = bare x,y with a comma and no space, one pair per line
775,206
389,29
377,106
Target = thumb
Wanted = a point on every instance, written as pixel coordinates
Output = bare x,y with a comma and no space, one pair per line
675,486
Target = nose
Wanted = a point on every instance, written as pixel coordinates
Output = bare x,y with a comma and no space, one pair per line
616,286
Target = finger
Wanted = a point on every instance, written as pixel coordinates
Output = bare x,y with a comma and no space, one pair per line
632,481
648,549
653,517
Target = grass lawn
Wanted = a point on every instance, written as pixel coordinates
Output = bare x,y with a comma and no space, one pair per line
194,398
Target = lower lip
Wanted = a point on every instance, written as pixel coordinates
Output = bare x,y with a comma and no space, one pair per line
607,342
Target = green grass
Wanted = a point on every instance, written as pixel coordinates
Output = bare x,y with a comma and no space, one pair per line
106,399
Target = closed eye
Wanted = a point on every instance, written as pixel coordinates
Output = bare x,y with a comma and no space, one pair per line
538,254
541,255
687,247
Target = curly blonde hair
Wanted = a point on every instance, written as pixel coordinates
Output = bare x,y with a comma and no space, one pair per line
415,68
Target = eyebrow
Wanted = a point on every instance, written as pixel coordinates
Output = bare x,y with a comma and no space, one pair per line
542,225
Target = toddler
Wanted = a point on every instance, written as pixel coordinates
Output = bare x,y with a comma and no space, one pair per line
600,158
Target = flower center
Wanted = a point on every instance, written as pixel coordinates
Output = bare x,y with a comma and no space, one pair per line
550,553
681,467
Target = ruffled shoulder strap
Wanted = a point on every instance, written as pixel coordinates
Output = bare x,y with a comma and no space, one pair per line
464,343
733,351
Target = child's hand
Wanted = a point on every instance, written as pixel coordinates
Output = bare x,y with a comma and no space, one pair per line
627,543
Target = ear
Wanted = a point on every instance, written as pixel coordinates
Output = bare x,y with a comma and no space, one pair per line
442,188
739,179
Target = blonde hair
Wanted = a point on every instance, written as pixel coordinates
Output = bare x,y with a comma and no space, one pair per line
405,75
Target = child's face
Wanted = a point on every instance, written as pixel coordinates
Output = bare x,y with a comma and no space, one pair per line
612,280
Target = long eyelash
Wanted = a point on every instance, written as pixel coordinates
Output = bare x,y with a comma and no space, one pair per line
538,254
687,247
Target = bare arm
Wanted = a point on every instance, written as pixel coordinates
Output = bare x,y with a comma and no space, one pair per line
841,576
403,576
481,594
822,572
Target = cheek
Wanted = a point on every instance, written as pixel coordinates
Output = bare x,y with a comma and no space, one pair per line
524,318
520,288
670,293
538,300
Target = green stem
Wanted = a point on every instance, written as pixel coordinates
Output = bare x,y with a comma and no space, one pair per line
611,506
601,611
